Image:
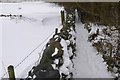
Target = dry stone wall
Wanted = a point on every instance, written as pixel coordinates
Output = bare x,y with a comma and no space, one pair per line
56,62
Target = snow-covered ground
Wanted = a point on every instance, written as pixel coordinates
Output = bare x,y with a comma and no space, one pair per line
21,35
0,43
87,64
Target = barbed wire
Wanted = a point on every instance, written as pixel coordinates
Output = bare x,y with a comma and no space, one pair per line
43,49
33,51
30,53
4,69
37,62
4,66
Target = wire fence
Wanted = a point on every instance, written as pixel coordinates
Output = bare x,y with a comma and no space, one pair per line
32,52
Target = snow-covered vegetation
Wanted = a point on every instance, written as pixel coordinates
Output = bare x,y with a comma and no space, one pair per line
105,40
86,45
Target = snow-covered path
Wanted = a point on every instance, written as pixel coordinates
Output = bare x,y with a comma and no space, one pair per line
86,63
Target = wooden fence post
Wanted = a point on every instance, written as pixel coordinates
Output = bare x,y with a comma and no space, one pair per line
56,31
11,72
62,17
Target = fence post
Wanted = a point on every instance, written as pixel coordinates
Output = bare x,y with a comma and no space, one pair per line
62,17
56,31
11,72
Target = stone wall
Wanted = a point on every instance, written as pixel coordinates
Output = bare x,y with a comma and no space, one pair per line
56,62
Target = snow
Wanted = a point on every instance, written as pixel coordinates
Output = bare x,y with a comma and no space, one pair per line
1,44
22,35
56,51
70,52
93,29
86,63
66,68
56,61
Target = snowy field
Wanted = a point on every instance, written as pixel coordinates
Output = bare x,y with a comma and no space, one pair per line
21,35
